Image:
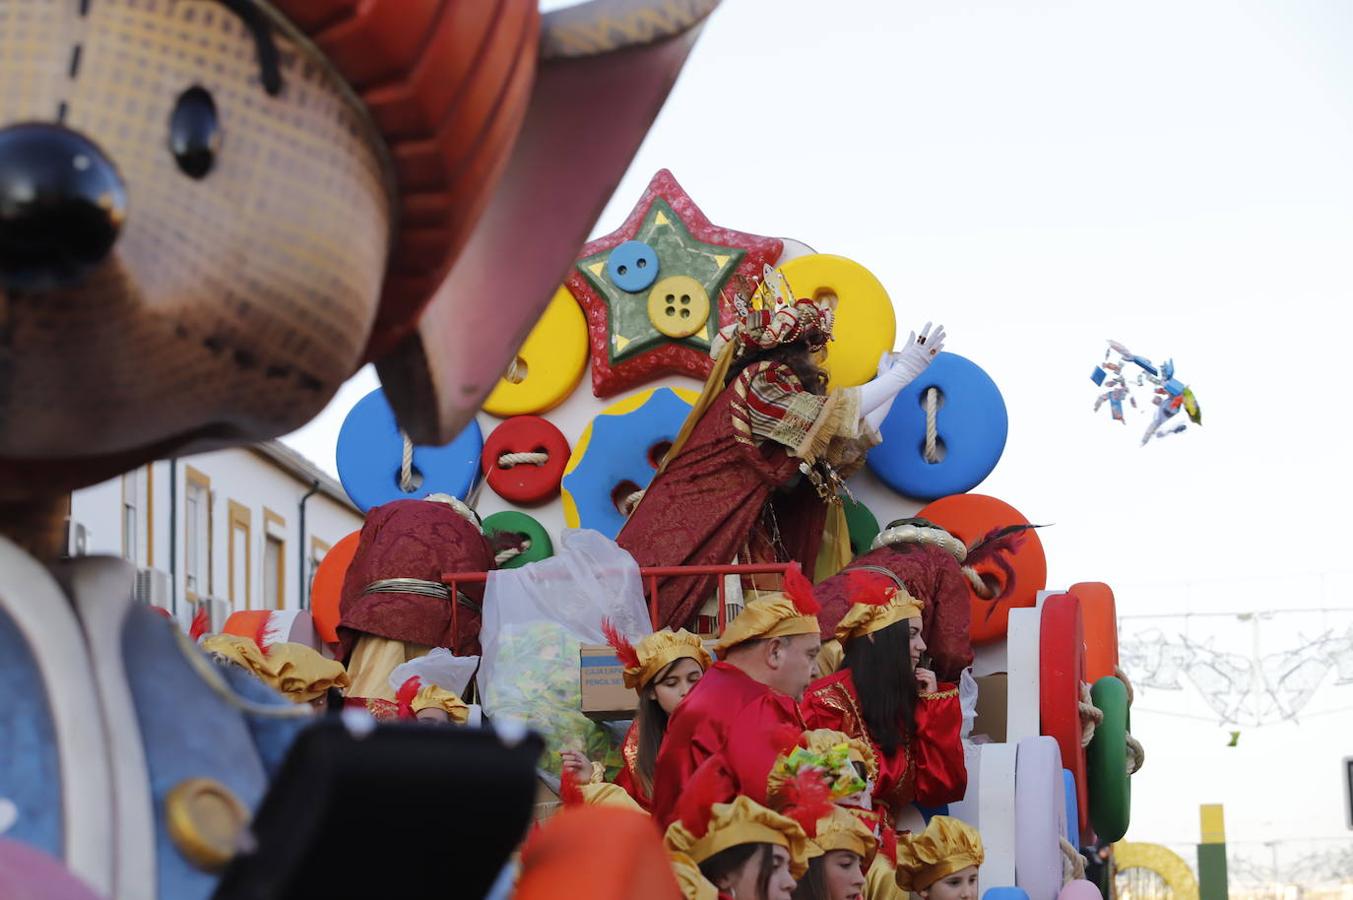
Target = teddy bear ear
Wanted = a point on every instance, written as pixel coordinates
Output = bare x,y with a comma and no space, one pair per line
438,368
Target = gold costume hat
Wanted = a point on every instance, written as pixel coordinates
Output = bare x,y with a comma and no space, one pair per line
302,674
690,880
743,821
822,740
790,612
430,696
240,651
876,603
842,830
946,846
654,653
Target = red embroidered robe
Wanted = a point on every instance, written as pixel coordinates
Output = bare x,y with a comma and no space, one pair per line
929,769
729,727
728,492
628,777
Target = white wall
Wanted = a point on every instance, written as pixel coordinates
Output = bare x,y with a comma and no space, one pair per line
253,481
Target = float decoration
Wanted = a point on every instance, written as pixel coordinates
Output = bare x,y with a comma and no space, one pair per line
644,323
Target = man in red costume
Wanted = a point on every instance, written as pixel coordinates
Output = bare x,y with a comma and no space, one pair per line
395,607
730,486
732,723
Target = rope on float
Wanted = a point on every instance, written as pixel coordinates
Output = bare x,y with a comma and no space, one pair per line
931,433
508,460
406,465
511,552
1091,716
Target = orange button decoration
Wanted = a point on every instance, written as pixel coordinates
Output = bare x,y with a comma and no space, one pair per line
970,517
1061,672
326,591
1101,628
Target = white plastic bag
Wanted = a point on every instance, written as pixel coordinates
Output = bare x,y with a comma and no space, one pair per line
535,618
440,667
967,701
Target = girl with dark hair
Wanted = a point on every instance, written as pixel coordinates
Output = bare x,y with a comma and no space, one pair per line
662,668
882,694
741,850
844,848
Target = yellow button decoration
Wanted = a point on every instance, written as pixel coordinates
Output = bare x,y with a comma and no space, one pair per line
205,821
678,306
866,325
549,364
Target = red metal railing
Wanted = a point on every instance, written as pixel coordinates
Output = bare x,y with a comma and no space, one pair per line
650,576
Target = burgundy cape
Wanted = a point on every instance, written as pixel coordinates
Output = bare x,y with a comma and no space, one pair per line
932,576
414,539
715,501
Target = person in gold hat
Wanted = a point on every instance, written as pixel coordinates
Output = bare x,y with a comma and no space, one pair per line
882,695
941,862
662,669
741,708
742,849
841,848
303,675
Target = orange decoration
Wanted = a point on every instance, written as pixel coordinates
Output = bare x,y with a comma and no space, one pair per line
561,858
327,589
970,517
1100,616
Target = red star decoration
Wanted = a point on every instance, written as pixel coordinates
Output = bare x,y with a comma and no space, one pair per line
613,371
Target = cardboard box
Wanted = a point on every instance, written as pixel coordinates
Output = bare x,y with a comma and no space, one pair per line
603,684
991,706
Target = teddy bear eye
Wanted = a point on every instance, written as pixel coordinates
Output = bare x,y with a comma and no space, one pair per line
195,132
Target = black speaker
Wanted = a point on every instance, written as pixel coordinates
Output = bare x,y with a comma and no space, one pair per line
404,808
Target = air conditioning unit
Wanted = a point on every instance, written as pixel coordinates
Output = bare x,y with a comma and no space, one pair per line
77,538
152,588
218,610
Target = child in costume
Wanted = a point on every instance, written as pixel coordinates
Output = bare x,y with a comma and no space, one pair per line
881,695
662,669
941,862
295,671
739,851
842,849
731,484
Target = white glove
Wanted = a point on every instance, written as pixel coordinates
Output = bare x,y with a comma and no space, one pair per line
896,371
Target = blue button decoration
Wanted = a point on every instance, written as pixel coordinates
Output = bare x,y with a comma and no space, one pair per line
1005,893
633,266
620,450
370,448
971,423
1072,810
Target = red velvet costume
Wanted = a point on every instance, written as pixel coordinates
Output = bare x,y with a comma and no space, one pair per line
929,770
717,497
627,777
931,575
729,722
414,539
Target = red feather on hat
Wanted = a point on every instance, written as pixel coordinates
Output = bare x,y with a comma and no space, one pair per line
807,798
623,648
569,791
404,696
800,590
201,622
869,588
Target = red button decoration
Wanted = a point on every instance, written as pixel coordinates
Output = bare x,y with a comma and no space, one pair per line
524,460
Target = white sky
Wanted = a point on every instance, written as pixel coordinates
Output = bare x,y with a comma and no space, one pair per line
1177,176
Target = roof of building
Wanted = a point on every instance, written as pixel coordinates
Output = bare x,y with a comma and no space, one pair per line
304,471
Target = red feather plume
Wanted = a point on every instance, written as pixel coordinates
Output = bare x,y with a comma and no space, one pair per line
996,547
869,588
623,648
569,791
710,784
201,622
404,696
807,798
800,590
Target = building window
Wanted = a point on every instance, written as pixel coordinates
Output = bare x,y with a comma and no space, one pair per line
274,560
131,489
197,535
318,549
239,556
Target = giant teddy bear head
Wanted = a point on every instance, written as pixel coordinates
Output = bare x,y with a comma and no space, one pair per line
212,212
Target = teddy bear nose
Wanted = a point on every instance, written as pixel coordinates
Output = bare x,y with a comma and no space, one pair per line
62,203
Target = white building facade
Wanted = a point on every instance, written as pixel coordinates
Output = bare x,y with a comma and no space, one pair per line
243,528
